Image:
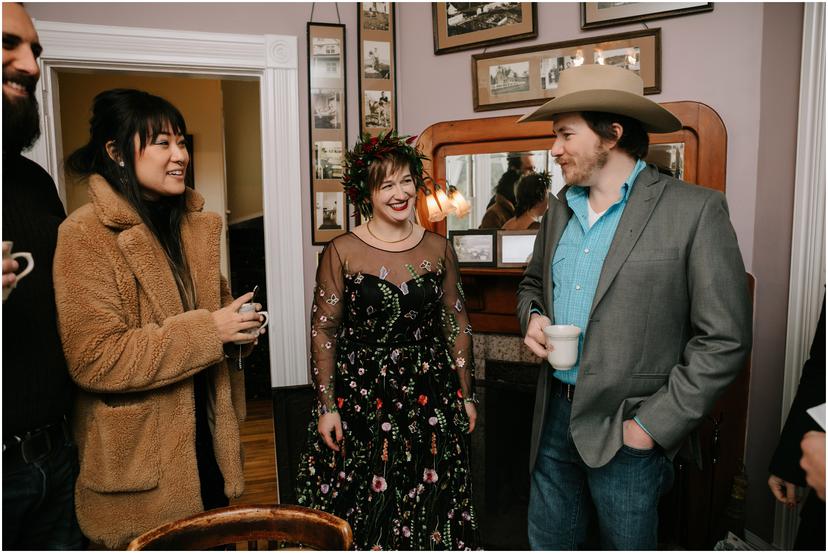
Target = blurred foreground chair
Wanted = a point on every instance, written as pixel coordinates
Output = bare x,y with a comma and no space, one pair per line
242,526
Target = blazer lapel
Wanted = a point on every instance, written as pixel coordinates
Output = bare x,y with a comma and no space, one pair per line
555,225
643,199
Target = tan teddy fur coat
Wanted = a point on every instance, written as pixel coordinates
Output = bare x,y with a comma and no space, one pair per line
133,353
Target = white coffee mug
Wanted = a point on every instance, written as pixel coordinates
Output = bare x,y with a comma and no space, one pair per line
562,345
247,308
7,248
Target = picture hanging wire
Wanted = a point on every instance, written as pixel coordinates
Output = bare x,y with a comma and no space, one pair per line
336,5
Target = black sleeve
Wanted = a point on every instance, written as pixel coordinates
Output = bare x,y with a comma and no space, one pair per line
811,392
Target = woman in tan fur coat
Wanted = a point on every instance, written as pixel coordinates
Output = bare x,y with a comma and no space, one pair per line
146,319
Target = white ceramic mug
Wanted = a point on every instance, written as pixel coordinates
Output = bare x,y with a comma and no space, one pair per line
562,345
7,248
247,308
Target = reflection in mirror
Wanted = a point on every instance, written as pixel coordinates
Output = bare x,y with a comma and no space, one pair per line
489,181
668,157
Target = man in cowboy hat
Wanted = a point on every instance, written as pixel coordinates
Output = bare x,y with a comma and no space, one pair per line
649,268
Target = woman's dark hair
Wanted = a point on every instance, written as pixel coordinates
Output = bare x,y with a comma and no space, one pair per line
391,163
121,115
634,140
531,190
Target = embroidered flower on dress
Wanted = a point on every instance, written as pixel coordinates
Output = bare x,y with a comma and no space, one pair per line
432,421
333,300
468,330
360,371
405,529
378,484
370,310
411,315
422,400
358,278
352,384
466,516
386,426
426,264
461,362
325,488
437,537
458,306
404,288
430,476
383,273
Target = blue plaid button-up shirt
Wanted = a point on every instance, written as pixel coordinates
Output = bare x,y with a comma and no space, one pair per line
579,258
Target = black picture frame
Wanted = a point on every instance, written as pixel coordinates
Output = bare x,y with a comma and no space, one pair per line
504,247
637,12
475,253
377,83
327,129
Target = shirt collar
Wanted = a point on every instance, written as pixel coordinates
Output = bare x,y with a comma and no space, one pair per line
580,191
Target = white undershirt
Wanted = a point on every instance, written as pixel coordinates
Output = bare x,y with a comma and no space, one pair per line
592,216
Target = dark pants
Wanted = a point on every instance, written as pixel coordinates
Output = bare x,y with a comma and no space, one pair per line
39,502
624,493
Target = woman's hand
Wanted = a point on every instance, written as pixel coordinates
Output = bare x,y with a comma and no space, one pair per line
471,411
330,423
232,325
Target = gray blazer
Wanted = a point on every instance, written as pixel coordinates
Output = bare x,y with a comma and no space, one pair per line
670,325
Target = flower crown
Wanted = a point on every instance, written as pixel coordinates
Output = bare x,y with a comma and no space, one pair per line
370,149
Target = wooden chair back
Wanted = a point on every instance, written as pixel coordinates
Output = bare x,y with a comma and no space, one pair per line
245,525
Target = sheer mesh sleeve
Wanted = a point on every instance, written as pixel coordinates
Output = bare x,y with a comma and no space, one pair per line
326,316
455,321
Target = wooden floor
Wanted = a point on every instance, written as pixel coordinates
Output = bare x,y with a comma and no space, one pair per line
259,454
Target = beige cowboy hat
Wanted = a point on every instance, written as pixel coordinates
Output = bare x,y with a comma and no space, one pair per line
608,89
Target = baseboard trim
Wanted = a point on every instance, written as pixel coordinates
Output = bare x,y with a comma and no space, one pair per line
758,543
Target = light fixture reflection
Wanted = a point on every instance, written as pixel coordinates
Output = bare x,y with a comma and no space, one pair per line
446,206
461,205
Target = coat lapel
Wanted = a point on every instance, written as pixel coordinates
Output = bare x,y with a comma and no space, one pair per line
643,199
201,235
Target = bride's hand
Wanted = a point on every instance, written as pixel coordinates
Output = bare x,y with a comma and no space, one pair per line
471,411
328,423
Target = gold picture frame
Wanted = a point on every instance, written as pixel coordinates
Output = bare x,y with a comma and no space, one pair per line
528,76
481,24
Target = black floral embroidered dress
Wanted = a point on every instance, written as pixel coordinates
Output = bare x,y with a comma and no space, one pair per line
392,353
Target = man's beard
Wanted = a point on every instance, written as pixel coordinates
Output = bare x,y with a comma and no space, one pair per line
583,172
21,123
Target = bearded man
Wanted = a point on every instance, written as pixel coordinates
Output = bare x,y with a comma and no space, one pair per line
40,463
649,269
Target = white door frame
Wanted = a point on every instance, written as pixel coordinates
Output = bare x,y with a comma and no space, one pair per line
807,280
273,59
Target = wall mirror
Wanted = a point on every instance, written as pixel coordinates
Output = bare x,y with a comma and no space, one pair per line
475,155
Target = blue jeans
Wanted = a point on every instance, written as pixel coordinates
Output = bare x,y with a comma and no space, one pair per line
624,492
39,502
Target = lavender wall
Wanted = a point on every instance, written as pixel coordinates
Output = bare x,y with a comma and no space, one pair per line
742,59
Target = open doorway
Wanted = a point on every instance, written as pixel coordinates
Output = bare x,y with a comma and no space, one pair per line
224,139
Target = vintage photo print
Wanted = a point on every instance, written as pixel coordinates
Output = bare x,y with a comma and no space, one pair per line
377,108
474,248
509,78
375,16
551,70
326,58
326,105
330,211
628,58
377,59
328,158
470,17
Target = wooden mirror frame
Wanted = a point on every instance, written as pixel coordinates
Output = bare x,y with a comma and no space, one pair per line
703,134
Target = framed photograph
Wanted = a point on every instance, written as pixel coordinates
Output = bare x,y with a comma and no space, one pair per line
377,67
330,212
475,248
529,76
606,14
515,247
668,157
328,129
464,25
